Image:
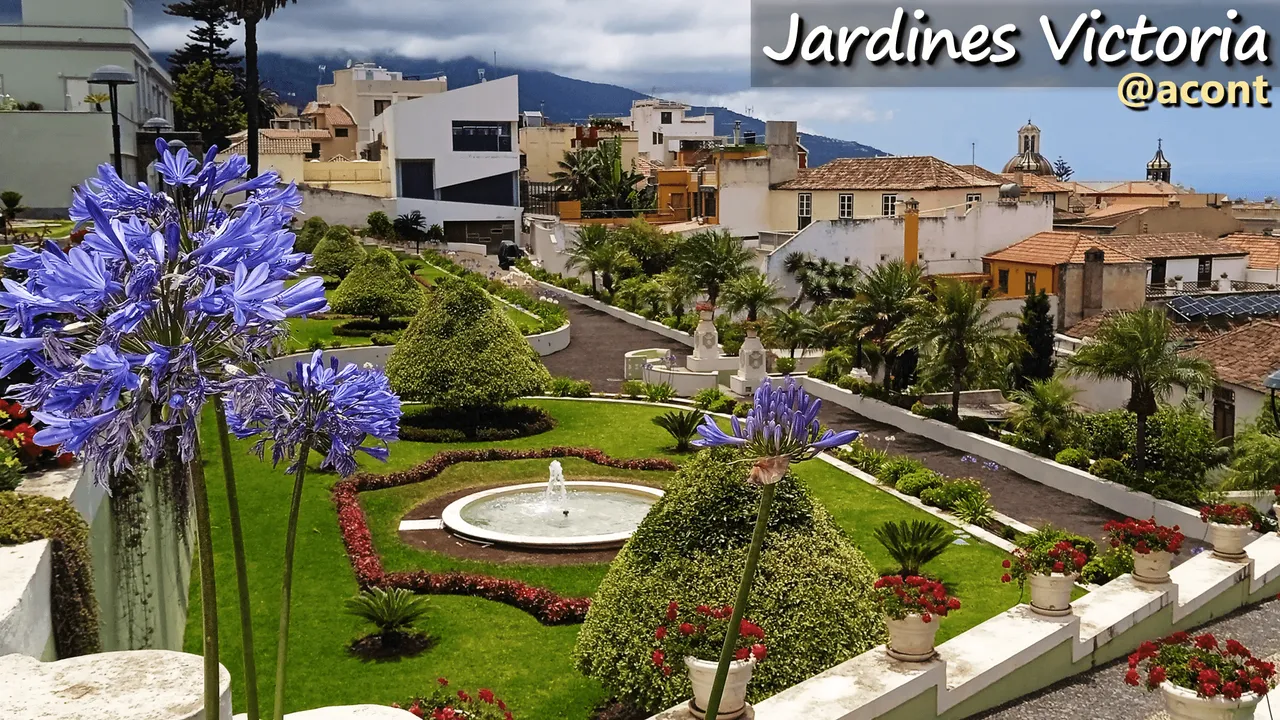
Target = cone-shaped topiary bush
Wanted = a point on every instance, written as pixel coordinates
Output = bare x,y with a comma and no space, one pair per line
379,287
338,253
463,353
812,595
310,235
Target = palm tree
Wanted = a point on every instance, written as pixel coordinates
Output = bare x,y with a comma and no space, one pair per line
751,293
713,259
584,252
956,334
786,330
826,327
576,171
1139,347
1046,415
883,303
252,12
677,290
409,227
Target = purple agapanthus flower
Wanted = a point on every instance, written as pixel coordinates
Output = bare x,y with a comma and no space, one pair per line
334,410
782,427
130,330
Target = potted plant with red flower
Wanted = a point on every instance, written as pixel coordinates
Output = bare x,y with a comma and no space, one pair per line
912,607
445,703
1229,525
699,635
1200,678
1050,564
1153,546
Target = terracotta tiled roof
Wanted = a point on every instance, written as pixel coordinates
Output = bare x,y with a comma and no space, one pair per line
982,173
1264,250
885,173
273,146
335,115
1171,245
1037,183
284,134
1246,356
1057,247
1195,332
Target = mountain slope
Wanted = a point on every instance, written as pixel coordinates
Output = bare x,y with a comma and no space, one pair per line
561,99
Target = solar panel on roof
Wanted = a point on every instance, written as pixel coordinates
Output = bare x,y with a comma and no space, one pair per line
1199,307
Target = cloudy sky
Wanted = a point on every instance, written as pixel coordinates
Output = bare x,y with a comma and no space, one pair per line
698,52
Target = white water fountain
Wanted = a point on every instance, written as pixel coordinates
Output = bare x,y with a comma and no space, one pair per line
557,514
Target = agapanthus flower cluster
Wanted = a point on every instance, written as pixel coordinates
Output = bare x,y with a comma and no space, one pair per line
782,427
699,634
164,290
329,408
1201,664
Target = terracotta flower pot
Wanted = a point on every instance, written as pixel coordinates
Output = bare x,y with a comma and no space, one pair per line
911,638
1183,704
733,702
1051,594
1228,540
1152,567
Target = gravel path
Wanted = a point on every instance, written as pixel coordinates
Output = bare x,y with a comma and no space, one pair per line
597,344
1101,694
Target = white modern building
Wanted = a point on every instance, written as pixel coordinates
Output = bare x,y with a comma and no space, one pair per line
48,50
662,124
366,90
453,157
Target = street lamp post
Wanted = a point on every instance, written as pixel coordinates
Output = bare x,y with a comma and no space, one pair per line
113,76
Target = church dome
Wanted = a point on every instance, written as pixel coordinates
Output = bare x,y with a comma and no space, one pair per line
1029,160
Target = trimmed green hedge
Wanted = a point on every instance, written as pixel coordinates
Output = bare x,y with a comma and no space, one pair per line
27,518
812,595
338,253
379,287
552,315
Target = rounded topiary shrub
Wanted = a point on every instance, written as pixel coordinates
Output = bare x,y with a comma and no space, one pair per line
310,234
812,594
462,352
1073,457
338,253
379,287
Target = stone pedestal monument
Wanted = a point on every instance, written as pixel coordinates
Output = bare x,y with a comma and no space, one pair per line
706,342
751,365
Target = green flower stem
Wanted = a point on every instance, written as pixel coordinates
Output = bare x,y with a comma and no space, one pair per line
286,587
744,595
242,573
208,588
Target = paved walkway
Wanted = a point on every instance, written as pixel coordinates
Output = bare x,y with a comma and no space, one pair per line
598,344
1101,694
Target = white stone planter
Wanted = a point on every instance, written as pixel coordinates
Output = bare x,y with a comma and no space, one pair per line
1228,540
1051,594
1152,567
911,638
733,702
1183,704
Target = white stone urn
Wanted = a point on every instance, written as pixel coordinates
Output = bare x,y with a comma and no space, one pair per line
911,638
1152,567
1228,540
1184,704
706,339
1051,594
733,701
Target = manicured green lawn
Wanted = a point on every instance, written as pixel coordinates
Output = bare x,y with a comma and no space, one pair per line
480,643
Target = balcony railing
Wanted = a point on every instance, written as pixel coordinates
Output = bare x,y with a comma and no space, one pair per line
1200,288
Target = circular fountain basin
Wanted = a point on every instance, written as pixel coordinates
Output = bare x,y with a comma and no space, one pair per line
601,515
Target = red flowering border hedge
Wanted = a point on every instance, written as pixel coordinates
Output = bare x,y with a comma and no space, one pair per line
545,605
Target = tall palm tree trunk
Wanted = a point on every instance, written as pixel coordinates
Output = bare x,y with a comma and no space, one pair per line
1140,446
251,90
890,359
955,399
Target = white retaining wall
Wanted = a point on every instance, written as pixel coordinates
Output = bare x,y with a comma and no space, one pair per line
628,317
686,383
1046,472
26,618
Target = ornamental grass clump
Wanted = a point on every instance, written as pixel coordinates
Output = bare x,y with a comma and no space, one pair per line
900,597
699,634
1203,665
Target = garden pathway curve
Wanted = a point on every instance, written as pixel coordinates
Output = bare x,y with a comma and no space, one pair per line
597,344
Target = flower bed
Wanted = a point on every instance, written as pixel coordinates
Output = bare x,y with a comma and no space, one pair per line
548,607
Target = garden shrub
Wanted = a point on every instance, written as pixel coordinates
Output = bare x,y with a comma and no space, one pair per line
812,596
310,234
866,459
338,253
705,398
421,423
633,388
379,287
379,224
1181,444
948,494
941,413
917,481
785,365
382,339
365,327
1111,469
568,387
725,405
1108,566
10,466
1073,457
852,384
975,425
741,409
897,467
658,392
1110,434
462,351
27,518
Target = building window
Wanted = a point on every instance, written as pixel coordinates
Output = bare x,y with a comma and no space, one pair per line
1204,274
889,205
471,136
493,190
315,152
666,118
846,206
709,204
804,210
1030,288
1003,282
1159,266
417,179
973,199
380,106
340,132
1050,198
